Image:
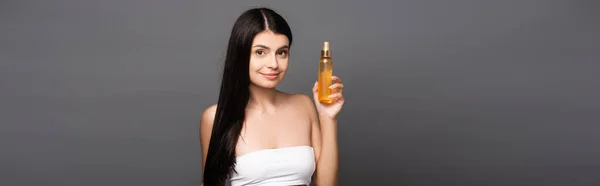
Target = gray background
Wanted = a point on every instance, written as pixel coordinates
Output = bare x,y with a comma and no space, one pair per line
438,92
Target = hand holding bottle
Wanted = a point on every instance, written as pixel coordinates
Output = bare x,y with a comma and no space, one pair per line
330,110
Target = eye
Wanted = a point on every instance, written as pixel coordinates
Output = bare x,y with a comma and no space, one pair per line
283,52
260,52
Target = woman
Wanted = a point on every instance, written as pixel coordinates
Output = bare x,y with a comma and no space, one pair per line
257,135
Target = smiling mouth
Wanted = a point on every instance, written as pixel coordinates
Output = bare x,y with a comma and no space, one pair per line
270,75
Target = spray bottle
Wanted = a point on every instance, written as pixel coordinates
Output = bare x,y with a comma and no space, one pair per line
325,73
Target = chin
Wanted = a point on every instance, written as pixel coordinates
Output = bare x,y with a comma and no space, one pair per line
268,84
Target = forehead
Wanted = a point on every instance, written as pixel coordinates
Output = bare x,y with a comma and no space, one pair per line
270,39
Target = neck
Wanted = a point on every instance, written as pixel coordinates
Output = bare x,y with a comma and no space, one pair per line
262,99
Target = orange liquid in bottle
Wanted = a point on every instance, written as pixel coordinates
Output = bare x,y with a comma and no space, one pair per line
325,73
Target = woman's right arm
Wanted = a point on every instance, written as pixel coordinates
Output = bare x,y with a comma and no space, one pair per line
206,124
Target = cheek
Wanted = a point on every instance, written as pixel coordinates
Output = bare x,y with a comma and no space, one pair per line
254,65
283,64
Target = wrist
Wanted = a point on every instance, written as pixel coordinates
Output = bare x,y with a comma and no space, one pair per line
326,117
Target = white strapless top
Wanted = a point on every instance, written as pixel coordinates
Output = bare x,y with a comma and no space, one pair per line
269,167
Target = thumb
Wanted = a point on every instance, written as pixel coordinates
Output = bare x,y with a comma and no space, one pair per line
315,90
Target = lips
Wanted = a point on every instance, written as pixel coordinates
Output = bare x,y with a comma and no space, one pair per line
270,75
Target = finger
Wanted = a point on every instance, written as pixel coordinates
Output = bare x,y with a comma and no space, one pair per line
315,90
337,87
339,100
337,97
336,79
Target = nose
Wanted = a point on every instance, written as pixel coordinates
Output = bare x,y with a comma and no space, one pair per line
273,63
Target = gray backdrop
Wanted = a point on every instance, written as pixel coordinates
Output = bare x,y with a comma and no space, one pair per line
439,92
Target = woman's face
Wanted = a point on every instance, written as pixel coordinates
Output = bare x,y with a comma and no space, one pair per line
268,59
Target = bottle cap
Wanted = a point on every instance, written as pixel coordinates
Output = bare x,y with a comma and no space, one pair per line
325,52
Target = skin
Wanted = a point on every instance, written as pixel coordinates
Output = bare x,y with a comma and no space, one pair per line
276,119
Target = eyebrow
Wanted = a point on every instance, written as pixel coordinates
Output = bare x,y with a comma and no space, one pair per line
263,46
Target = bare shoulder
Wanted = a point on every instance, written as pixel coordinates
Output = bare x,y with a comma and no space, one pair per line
301,99
208,116
206,122
206,125
305,103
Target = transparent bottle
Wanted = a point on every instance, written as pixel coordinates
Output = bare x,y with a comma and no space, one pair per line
325,73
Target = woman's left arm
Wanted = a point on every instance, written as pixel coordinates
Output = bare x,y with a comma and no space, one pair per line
327,170
325,135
